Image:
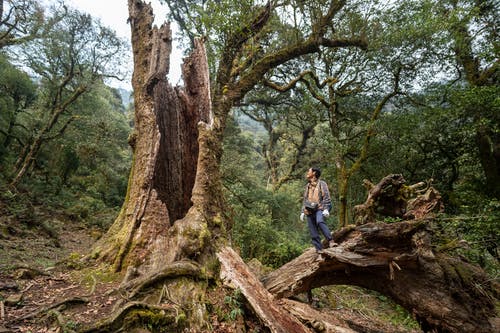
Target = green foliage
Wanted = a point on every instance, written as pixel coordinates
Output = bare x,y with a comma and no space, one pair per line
83,173
17,93
235,303
478,225
17,205
369,304
266,224
22,21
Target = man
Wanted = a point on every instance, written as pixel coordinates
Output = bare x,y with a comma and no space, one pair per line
316,207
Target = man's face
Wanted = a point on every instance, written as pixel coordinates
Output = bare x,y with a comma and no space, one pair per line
310,174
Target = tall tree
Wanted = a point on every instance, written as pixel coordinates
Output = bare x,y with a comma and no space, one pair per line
463,37
289,120
473,26
174,214
76,53
17,94
20,21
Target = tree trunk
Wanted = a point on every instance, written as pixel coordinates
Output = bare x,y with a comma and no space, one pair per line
488,144
172,209
237,274
342,180
487,138
27,160
41,137
444,294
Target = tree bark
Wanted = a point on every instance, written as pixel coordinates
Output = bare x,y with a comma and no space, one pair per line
235,273
168,179
443,293
172,208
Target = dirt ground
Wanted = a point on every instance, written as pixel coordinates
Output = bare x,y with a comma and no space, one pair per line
40,274
45,287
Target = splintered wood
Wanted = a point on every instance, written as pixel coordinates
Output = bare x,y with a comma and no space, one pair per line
236,274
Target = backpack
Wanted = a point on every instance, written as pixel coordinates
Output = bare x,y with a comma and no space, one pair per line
330,205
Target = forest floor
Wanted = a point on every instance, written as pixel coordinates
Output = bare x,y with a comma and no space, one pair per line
42,277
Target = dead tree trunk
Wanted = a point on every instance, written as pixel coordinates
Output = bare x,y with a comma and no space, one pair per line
168,181
171,213
445,294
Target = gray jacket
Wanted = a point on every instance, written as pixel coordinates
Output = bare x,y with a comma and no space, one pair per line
324,196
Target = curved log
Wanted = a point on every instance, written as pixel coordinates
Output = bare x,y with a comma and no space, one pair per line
443,293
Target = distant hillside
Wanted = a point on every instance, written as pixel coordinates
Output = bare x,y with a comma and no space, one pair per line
247,124
126,96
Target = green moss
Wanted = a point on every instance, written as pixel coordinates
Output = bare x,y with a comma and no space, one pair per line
448,245
89,277
217,220
449,271
211,267
155,321
181,319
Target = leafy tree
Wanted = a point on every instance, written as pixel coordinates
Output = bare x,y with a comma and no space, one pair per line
338,81
17,94
463,35
289,122
266,226
72,57
20,21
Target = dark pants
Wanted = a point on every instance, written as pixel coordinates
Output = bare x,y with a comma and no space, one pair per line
316,222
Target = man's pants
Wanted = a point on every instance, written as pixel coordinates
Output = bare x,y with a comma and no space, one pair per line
316,222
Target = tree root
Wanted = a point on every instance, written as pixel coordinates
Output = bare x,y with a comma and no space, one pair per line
177,269
73,300
28,272
133,314
60,321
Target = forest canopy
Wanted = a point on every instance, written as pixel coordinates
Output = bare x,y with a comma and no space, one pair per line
360,89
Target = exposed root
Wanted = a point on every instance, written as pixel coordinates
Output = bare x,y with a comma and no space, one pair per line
46,309
60,321
28,272
177,269
136,313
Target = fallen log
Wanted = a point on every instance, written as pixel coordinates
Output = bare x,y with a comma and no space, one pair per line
444,293
236,274
319,321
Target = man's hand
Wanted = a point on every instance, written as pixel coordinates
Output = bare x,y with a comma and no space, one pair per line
302,217
326,213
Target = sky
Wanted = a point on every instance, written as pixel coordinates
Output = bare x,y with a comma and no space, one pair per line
114,14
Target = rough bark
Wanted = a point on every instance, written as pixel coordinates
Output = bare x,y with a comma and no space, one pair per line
444,294
279,315
160,212
172,209
235,273
385,198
